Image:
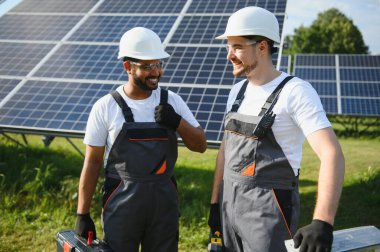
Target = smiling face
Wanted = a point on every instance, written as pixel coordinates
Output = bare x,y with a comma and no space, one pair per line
243,55
145,74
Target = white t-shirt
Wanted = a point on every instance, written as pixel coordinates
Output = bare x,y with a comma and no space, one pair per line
299,112
106,118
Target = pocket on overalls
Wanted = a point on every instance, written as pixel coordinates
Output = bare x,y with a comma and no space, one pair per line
109,189
148,147
283,198
247,159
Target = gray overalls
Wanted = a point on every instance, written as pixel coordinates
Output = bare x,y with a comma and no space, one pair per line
260,206
140,201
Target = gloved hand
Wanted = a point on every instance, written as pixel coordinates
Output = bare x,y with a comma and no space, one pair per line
214,218
165,114
317,236
85,224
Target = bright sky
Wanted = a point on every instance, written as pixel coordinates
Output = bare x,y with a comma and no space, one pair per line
364,13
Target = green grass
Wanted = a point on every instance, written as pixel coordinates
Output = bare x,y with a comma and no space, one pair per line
38,191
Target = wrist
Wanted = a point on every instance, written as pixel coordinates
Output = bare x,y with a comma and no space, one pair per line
83,214
324,224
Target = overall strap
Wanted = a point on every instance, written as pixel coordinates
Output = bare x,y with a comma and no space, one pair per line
164,97
239,97
127,112
272,99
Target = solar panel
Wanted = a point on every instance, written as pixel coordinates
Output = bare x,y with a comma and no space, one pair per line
6,86
226,6
198,65
285,63
32,27
96,62
200,30
143,6
347,84
18,59
53,106
52,47
55,6
111,28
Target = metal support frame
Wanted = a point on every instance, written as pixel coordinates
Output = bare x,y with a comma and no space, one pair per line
12,139
75,147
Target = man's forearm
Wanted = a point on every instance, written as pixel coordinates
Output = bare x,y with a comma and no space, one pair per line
87,185
89,177
194,138
218,176
330,184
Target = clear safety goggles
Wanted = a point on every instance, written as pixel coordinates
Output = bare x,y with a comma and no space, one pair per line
148,67
239,47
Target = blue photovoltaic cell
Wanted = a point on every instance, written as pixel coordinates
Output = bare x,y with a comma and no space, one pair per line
358,60
359,86
225,6
35,27
310,74
324,88
7,86
59,6
360,89
360,74
52,105
315,60
361,107
201,102
111,28
330,105
143,6
18,59
84,62
200,30
284,64
198,65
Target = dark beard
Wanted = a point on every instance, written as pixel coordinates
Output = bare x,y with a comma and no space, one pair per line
142,84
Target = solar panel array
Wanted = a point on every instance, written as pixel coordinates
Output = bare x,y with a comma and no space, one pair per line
59,57
348,84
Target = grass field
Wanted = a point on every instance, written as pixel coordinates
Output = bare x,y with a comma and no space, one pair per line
38,188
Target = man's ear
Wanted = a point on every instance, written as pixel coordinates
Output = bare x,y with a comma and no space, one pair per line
127,66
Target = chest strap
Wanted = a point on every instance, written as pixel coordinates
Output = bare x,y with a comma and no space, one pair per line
270,102
127,112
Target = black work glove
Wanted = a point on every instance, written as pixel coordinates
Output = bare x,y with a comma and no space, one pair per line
214,218
85,224
317,236
165,114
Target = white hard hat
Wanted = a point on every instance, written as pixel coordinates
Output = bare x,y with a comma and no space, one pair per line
253,21
141,43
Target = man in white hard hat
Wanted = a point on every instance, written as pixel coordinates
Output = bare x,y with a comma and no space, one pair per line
134,129
269,115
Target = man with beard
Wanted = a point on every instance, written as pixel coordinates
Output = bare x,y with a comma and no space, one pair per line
269,115
134,129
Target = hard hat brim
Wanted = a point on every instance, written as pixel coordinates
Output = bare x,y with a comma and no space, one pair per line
162,55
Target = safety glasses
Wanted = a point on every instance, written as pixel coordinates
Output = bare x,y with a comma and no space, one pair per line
148,67
239,47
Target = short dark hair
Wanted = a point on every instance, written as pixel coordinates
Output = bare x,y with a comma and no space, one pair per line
272,49
130,59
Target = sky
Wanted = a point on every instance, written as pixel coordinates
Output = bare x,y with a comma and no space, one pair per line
365,14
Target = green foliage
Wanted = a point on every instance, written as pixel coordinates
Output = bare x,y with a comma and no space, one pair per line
38,192
332,32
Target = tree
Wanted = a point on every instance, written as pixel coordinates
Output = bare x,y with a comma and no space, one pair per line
331,32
